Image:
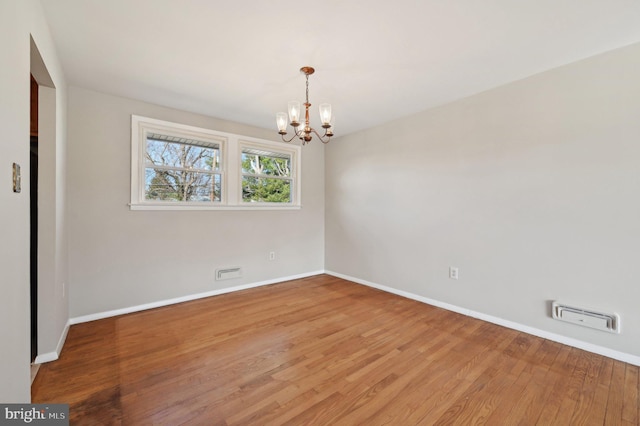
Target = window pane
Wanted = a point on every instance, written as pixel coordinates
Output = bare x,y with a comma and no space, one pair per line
266,190
179,185
164,153
265,164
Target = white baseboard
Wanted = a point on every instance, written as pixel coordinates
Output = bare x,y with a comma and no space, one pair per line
52,356
589,347
146,306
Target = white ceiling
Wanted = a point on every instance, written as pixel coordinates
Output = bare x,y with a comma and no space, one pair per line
375,60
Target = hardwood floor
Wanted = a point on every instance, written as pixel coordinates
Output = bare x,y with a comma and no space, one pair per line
324,351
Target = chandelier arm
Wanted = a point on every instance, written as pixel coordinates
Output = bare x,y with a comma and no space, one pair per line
292,137
321,137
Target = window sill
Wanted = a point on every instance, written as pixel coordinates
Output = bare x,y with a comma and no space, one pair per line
174,207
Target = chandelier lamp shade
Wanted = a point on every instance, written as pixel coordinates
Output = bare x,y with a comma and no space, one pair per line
302,130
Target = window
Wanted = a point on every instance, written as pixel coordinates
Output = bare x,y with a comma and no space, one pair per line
266,176
178,167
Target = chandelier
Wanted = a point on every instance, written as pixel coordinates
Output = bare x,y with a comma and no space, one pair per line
304,131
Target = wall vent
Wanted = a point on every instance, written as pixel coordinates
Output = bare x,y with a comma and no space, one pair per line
228,273
586,317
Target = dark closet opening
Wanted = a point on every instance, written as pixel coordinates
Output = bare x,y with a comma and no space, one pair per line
33,218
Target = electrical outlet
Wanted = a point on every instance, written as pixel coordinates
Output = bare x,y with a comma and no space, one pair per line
272,255
453,272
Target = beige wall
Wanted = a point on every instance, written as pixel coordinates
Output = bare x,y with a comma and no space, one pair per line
121,258
532,190
19,21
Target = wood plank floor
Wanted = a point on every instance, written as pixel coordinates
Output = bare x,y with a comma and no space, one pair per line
324,351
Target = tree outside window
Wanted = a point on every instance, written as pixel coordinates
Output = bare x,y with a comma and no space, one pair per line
266,177
179,169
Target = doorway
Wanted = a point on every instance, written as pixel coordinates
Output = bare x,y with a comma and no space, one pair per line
46,302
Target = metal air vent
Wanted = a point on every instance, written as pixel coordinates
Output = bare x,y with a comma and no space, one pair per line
586,317
229,273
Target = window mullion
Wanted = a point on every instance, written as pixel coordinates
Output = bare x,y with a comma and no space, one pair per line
180,169
267,176
232,169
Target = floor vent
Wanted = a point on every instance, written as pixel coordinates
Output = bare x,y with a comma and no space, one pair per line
227,274
586,317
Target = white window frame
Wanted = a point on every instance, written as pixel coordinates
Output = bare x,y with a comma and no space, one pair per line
230,166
